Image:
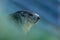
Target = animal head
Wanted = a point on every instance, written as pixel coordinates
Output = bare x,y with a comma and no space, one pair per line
26,18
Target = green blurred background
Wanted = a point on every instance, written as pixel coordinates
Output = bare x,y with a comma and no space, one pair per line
48,28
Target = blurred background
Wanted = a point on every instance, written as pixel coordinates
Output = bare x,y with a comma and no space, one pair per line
48,28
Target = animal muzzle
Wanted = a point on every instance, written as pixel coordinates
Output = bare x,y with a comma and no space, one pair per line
34,19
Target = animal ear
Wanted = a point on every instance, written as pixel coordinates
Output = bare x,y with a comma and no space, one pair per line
18,12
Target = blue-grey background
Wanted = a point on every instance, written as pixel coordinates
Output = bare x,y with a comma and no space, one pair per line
48,28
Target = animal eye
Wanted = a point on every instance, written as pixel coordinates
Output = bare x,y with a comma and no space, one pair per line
23,15
30,14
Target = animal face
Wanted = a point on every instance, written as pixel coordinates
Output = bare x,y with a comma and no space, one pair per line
25,19
26,16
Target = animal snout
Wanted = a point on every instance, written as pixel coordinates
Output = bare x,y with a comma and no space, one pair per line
38,18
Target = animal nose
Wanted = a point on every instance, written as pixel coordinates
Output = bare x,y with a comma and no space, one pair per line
38,18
